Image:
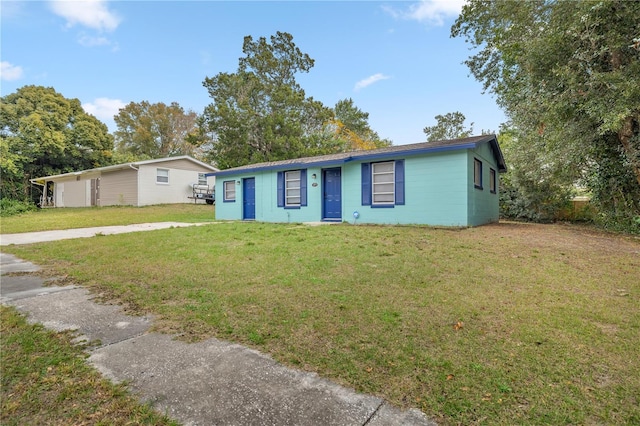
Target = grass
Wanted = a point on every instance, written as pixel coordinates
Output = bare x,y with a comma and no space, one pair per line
502,324
67,218
45,380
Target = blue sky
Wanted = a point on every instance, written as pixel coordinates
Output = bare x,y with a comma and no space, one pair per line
395,59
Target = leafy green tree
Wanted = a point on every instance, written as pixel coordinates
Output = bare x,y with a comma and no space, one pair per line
568,75
147,131
260,113
534,188
352,130
449,126
43,133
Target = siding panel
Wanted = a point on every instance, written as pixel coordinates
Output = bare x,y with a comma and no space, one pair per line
119,188
177,190
75,193
484,206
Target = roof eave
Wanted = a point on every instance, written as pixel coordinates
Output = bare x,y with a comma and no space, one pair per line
502,165
119,167
360,157
286,166
181,157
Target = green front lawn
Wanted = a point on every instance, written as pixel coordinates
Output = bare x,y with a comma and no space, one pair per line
46,381
501,324
67,218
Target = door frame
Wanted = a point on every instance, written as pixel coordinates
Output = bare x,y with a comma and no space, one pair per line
58,194
324,198
244,198
95,192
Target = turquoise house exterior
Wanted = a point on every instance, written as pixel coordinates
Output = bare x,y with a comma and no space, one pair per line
442,183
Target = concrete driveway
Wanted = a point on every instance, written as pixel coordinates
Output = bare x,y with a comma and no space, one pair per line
67,234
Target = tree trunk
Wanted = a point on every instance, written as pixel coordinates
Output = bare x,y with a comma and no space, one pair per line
631,128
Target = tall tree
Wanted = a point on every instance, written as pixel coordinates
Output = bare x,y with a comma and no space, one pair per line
537,187
157,130
43,133
449,126
352,130
260,113
567,74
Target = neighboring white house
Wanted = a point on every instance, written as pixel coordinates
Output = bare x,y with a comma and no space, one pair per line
140,183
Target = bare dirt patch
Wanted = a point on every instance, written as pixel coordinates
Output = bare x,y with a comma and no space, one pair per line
566,236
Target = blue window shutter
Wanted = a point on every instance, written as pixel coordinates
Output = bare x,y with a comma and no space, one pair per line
366,184
280,189
303,187
399,182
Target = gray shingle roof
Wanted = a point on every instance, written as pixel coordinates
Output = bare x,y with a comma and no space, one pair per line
123,166
343,157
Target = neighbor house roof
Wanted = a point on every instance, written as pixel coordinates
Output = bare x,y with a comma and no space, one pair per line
404,150
115,167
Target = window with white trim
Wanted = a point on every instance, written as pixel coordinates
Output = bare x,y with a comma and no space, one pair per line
162,175
477,173
292,188
229,191
383,183
202,179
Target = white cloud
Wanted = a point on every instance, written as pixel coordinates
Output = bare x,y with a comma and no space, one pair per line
89,41
370,80
89,13
429,11
10,72
104,108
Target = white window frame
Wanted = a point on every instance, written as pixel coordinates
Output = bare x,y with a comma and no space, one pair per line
229,187
202,179
385,177
292,180
161,175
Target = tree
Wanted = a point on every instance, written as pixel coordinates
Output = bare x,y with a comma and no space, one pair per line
534,188
260,113
147,131
352,130
449,126
568,75
43,133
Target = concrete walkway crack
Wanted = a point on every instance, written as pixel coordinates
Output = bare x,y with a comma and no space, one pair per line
91,347
373,414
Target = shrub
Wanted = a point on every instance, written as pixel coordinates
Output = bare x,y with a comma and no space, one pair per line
10,207
534,202
625,222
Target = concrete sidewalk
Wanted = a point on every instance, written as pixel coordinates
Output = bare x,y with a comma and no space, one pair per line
208,383
67,234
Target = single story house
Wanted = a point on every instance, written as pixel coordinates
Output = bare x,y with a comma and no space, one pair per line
444,183
139,183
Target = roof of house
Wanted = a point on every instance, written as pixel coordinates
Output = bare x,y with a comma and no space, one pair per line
404,150
122,166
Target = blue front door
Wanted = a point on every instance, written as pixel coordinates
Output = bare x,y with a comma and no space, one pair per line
248,199
332,194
